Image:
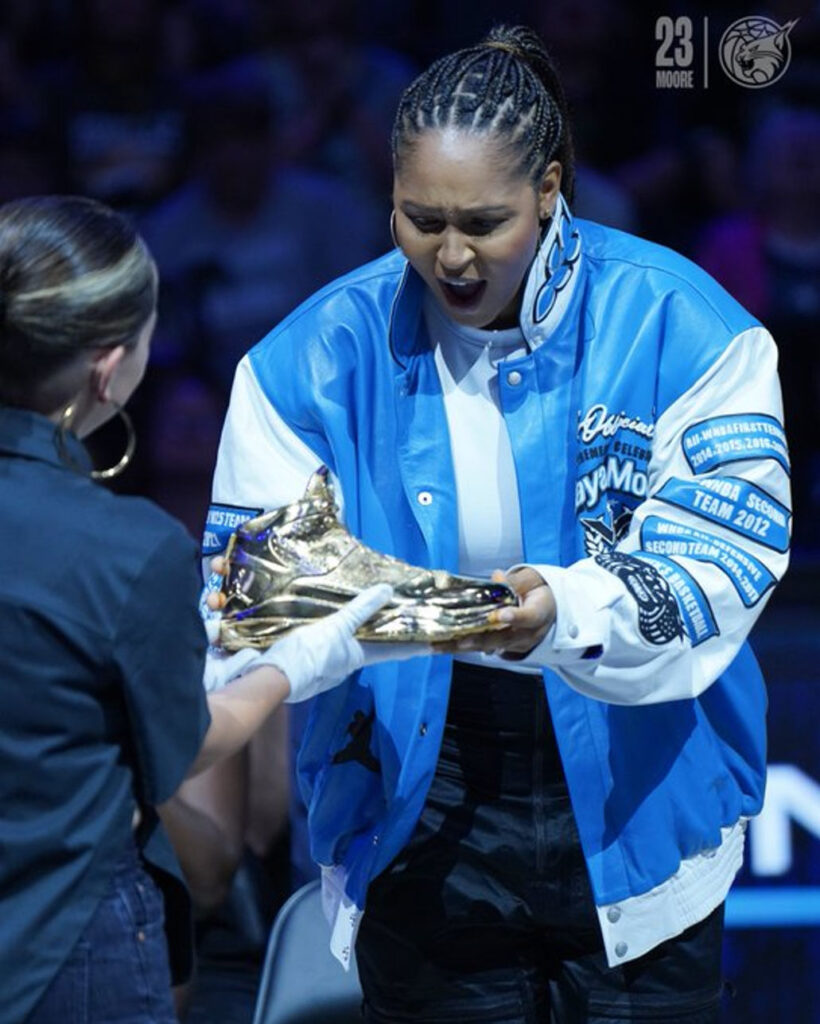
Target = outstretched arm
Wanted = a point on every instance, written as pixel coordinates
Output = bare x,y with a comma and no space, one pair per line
307,662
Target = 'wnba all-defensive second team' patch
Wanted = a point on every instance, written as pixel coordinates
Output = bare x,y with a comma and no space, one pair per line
748,574
220,523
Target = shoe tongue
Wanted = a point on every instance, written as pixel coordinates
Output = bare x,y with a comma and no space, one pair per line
319,486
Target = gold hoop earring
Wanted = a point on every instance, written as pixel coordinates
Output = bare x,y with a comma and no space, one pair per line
393,229
98,474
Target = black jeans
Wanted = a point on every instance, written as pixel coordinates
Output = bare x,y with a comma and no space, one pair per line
487,914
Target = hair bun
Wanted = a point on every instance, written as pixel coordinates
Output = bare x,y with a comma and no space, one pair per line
519,40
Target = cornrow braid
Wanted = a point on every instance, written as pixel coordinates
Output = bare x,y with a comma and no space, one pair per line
507,86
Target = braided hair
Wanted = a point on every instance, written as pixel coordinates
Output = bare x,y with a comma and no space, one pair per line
507,85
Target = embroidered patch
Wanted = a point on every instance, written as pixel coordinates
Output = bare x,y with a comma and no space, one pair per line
602,534
220,523
749,576
659,619
621,476
554,273
714,442
559,267
738,505
598,421
696,612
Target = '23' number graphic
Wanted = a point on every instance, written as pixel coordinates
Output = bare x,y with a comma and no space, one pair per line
669,32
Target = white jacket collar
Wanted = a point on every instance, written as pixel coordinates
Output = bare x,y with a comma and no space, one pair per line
552,277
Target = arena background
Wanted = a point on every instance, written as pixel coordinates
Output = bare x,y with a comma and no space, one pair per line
197,114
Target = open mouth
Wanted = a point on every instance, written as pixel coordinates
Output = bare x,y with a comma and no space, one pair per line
462,294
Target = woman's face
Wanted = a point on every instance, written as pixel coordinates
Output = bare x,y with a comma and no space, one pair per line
468,224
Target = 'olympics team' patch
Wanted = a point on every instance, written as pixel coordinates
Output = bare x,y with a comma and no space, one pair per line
220,523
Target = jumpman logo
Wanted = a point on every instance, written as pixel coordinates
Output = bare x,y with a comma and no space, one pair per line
360,731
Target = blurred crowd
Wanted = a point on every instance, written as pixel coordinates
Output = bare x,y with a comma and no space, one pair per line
249,140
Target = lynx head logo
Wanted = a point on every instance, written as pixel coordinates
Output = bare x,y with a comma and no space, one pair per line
604,533
755,52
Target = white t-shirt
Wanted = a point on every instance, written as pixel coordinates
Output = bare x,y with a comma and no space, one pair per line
489,525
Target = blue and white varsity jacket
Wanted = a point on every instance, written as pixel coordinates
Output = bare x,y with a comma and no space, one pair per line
653,480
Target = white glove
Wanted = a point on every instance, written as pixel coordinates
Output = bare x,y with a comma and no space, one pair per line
317,657
222,668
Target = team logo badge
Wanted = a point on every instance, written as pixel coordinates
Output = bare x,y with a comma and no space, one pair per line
658,614
602,534
755,52
659,618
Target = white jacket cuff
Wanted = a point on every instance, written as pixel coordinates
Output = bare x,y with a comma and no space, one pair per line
582,623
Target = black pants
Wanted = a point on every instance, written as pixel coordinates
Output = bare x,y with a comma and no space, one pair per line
487,914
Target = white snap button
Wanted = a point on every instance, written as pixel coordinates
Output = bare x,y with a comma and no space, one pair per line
375,840
613,915
425,498
514,378
572,631
621,949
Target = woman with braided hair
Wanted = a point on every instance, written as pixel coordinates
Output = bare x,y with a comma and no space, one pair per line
550,813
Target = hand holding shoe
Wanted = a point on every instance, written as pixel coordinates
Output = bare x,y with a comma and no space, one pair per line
317,657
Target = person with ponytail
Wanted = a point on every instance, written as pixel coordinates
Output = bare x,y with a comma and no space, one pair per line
543,820
102,649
